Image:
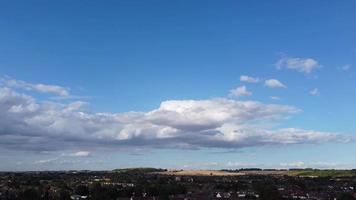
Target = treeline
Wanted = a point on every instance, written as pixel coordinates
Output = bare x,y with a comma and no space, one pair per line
139,170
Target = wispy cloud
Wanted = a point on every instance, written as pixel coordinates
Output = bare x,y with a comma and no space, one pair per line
314,92
42,88
316,164
249,79
275,98
46,161
346,67
80,154
304,65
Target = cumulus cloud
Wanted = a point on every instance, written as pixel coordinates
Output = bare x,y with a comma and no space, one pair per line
42,88
304,65
314,92
274,83
29,124
240,91
249,79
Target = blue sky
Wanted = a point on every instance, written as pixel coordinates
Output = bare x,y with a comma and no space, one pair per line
98,79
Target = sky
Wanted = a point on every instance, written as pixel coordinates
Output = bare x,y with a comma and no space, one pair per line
177,84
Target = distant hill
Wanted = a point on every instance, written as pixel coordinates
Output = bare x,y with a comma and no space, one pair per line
200,173
140,170
302,172
270,172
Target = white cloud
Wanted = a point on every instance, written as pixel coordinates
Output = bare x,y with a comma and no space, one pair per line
80,154
249,79
274,83
304,65
194,115
27,124
42,88
314,92
240,91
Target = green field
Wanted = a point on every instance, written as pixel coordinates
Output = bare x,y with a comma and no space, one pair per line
322,173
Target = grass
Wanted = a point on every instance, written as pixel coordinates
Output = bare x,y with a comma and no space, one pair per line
323,173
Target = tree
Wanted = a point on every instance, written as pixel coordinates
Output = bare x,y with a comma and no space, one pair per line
82,190
99,193
30,194
64,195
267,191
346,196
